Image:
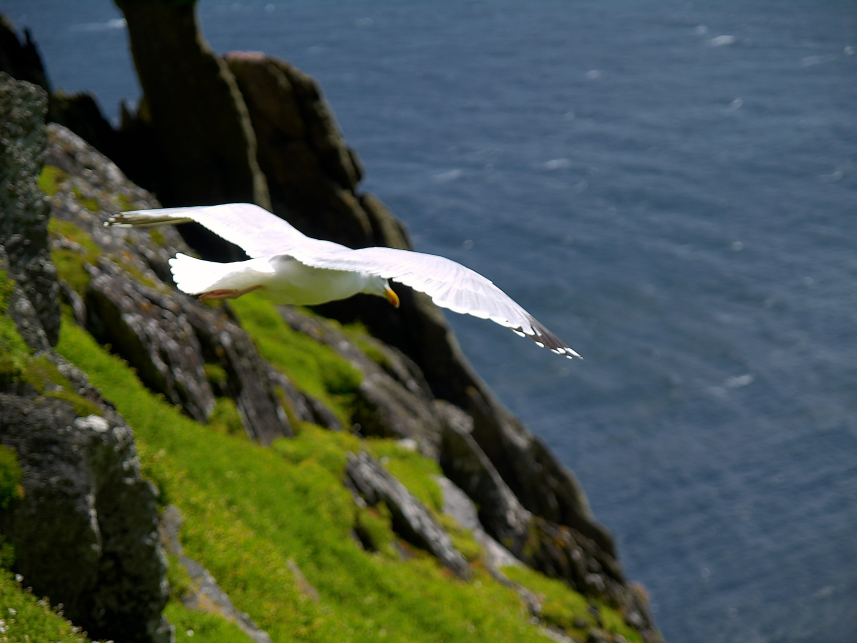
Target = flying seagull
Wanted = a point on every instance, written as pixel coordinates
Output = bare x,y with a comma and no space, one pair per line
290,268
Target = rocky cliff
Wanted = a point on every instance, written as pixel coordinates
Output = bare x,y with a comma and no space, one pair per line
269,374
84,527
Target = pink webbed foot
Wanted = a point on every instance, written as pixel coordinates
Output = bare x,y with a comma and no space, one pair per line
226,294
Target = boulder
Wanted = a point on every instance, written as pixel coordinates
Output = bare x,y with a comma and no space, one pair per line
411,520
85,532
157,341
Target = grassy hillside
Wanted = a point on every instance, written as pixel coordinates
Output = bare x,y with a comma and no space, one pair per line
249,510
251,513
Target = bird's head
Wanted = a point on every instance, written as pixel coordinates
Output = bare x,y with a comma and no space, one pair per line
381,287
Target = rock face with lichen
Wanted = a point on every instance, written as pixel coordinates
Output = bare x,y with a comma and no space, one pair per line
84,530
23,224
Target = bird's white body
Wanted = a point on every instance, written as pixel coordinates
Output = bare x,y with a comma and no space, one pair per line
289,267
280,278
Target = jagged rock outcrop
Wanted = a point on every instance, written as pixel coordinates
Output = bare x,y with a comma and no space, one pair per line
194,109
85,530
84,534
311,173
23,208
128,302
411,520
460,506
20,60
554,549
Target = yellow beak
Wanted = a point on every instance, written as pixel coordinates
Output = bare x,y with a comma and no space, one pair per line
392,297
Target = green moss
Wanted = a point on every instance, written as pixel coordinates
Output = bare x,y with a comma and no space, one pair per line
157,236
124,202
327,449
7,554
413,470
138,275
195,627
179,580
82,406
462,538
358,334
376,526
216,375
89,204
249,510
70,263
14,352
7,287
40,372
560,606
225,417
50,179
563,607
313,367
27,618
11,477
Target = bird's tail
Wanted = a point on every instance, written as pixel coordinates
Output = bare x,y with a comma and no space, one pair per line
195,276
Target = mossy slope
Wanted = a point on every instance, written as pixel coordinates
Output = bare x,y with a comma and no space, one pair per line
248,510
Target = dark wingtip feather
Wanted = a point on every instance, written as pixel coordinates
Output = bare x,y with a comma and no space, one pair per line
546,339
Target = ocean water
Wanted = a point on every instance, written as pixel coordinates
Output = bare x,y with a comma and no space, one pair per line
671,187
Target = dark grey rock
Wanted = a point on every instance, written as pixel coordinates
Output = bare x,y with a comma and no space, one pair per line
303,406
194,109
25,316
158,342
248,380
311,173
464,462
85,532
457,504
23,207
393,399
20,60
542,484
411,520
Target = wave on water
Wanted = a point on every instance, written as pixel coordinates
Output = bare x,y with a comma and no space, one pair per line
116,23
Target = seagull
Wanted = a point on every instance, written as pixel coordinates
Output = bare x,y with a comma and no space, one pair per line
288,267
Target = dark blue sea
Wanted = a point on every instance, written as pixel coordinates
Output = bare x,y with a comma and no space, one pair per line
671,187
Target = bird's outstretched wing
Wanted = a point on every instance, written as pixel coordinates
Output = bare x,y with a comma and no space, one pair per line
450,285
255,230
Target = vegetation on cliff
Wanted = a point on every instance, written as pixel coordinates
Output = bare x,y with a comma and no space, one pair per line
300,474
249,510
